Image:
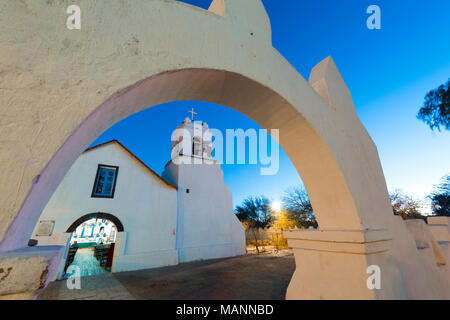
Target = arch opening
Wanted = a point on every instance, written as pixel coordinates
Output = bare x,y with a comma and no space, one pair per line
91,245
332,202
243,171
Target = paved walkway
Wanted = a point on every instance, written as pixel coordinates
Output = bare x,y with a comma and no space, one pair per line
99,287
85,260
262,277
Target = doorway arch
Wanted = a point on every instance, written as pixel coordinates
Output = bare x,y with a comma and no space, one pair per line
95,248
96,215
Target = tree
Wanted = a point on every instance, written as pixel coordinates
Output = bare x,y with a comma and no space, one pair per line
281,221
436,109
440,198
255,214
405,206
257,210
298,206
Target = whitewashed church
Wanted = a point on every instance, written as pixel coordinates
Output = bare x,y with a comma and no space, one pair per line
109,196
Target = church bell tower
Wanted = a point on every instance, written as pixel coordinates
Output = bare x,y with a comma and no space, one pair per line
192,143
203,198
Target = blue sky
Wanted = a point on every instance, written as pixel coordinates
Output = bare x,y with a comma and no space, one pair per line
388,71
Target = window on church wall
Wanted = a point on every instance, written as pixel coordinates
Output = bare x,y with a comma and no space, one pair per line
197,147
105,181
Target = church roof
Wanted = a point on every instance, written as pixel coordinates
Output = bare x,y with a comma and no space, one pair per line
134,156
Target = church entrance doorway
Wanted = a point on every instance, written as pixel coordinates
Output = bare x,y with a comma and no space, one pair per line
92,244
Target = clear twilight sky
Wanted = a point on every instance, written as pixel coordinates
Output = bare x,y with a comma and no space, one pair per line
388,72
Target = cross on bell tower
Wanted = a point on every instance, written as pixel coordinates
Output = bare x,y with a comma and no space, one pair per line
192,112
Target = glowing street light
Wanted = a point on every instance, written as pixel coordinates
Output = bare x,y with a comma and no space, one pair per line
276,206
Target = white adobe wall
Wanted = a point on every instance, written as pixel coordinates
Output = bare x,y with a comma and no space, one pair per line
144,204
208,228
440,228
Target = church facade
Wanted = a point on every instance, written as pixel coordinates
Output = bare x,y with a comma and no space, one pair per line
184,215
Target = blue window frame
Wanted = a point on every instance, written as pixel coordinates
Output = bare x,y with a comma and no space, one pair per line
105,181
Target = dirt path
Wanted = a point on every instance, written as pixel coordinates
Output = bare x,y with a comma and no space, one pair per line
265,277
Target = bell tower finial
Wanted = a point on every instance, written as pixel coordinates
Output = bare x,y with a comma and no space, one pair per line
193,113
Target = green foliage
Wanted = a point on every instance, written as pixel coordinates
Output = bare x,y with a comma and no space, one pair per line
298,206
255,212
440,198
405,206
436,109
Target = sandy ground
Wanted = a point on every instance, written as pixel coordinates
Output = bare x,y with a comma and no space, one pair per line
264,277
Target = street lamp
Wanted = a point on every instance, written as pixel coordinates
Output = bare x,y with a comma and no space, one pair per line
276,206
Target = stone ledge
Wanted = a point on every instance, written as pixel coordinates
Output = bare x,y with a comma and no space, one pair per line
352,236
340,241
26,270
438,221
29,252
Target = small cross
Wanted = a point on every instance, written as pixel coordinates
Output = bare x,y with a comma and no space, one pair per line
192,112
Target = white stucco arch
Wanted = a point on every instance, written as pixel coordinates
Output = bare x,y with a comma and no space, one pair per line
332,199
63,88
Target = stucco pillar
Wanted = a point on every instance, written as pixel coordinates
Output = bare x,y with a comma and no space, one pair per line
65,242
119,250
439,227
334,264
